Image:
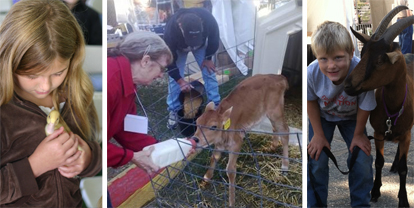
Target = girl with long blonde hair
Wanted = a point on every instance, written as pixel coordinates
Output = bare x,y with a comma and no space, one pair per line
41,56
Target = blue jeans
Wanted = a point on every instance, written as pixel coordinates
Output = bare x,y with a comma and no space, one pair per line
405,39
211,84
108,201
360,178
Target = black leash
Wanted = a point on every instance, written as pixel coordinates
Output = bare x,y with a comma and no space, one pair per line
332,157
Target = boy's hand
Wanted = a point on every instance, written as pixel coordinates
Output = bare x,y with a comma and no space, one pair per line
362,142
316,145
79,161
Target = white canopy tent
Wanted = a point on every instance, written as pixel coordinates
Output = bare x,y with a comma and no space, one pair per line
272,35
236,21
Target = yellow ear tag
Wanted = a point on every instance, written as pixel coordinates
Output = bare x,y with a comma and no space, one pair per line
227,124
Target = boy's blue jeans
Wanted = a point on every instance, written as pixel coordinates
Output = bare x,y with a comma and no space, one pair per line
211,84
360,178
405,39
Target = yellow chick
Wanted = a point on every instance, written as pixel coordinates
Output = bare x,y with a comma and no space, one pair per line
53,123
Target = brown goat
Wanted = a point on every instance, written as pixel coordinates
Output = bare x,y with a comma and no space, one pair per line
384,68
250,101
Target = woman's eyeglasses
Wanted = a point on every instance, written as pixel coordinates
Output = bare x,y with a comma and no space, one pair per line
162,68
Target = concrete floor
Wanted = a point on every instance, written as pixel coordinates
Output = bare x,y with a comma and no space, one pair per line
338,185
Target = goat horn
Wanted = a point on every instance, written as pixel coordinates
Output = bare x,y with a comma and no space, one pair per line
360,36
397,28
385,21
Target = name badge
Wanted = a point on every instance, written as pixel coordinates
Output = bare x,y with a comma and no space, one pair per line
136,124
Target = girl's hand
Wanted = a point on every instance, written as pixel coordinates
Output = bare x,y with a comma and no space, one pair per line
54,151
79,162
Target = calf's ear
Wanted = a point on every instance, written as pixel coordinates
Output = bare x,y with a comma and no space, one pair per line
227,113
210,106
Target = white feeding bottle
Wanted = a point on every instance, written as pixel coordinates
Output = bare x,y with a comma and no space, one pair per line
170,151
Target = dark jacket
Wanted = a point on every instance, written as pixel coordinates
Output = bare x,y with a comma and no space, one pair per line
174,38
90,22
22,129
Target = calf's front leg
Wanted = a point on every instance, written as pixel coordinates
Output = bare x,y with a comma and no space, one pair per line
213,161
231,169
231,174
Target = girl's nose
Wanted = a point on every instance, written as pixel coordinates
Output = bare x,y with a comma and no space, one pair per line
45,84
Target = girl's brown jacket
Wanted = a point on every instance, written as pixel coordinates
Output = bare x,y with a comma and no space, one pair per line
22,129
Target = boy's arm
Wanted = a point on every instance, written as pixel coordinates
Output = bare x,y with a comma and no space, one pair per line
318,140
360,139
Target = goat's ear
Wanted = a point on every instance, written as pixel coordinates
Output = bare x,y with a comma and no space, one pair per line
210,106
227,113
393,56
361,36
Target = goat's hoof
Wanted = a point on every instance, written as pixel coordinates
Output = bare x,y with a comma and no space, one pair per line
403,203
374,199
393,169
375,194
403,200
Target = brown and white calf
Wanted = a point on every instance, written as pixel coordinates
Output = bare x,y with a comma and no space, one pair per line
251,100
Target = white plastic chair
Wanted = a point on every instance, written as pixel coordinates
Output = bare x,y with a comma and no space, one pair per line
91,190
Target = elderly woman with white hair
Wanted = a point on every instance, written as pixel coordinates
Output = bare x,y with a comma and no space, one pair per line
139,59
